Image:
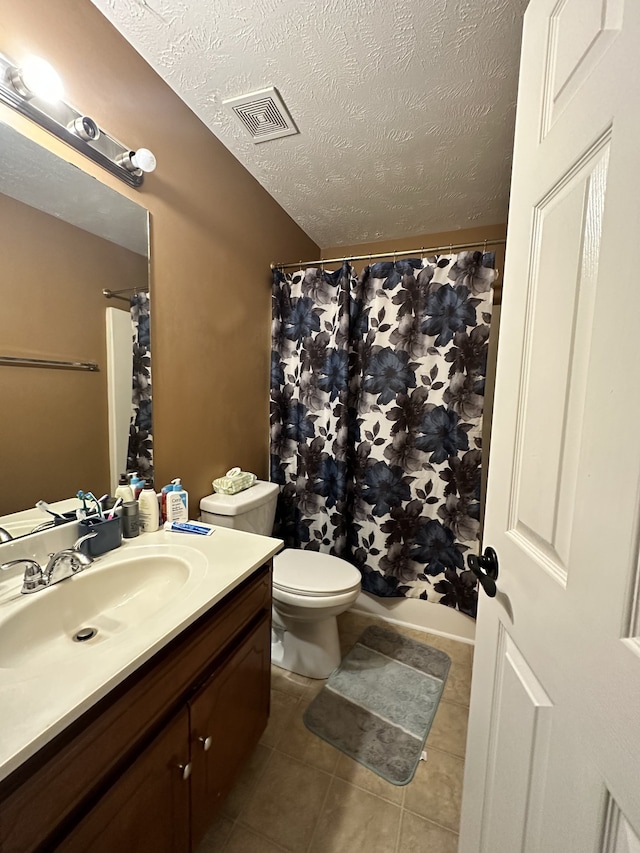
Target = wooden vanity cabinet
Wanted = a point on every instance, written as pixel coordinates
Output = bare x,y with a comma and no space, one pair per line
148,808
227,716
149,767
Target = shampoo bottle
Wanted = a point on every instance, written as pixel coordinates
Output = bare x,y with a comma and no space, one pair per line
124,490
137,485
149,514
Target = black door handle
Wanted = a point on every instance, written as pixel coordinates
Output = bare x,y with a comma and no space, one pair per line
485,568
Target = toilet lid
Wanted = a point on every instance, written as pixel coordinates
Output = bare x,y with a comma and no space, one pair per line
313,573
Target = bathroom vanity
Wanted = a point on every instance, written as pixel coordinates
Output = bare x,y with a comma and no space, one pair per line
134,742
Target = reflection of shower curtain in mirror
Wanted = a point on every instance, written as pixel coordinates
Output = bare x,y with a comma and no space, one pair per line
377,387
140,454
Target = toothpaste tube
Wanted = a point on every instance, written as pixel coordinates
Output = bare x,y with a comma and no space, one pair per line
189,527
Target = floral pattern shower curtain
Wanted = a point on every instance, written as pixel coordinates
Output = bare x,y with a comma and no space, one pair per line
377,388
140,452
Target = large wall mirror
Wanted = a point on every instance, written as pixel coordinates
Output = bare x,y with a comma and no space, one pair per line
64,237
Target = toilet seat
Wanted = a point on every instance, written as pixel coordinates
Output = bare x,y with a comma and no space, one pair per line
311,573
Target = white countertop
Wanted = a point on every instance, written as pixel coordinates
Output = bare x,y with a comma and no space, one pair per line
41,696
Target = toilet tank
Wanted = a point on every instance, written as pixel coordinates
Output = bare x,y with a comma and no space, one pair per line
252,510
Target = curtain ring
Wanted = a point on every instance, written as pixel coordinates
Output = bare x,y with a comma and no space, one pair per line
484,246
394,256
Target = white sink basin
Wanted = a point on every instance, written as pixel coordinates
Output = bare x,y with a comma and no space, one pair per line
114,596
23,526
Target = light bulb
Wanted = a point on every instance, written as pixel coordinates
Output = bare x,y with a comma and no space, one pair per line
37,78
144,160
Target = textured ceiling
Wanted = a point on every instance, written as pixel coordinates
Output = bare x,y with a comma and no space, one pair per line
405,107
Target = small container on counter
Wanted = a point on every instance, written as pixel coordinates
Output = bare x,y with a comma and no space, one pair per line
108,534
124,489
130,519
148,509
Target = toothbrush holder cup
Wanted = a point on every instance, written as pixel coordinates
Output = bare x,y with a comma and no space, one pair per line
108,535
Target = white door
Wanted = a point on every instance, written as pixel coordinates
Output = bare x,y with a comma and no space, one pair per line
553,754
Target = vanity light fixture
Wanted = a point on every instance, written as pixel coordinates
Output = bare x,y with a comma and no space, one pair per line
84,127
35,90
138,161
36,78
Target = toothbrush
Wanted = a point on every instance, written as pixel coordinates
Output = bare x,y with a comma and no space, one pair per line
44,506
90,496
113,509
82,497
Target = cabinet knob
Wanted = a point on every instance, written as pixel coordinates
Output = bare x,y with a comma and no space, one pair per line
185,769
206,742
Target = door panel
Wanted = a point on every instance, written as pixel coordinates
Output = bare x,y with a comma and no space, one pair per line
619,836
579,33
554,732
566,235
516,767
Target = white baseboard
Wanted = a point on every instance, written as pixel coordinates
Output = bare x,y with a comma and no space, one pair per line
422,615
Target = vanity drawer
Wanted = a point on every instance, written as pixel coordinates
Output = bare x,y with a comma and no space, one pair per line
67,776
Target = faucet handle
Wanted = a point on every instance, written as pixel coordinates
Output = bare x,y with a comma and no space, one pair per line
33,578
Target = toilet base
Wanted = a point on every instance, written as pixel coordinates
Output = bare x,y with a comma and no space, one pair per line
307,648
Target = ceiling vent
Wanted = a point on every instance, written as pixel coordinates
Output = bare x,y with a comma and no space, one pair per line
263,114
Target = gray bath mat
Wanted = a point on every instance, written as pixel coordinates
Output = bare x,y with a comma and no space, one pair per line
378,705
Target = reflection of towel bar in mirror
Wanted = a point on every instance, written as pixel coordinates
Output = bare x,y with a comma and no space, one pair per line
115,294
47,362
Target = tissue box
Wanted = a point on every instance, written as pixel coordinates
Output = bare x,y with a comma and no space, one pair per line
234,481
108,535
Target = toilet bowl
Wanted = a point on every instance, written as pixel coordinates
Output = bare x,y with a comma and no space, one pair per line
310,589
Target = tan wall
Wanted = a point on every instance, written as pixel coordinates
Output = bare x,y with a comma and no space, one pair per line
214,231
474,237
54,422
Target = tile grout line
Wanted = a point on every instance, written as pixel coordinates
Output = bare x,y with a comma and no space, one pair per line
320,813
431,820
257,777
260,835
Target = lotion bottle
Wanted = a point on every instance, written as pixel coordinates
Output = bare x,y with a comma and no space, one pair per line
124,490
177,503
149,513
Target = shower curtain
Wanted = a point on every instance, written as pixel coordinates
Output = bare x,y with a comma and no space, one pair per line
140,451
377,387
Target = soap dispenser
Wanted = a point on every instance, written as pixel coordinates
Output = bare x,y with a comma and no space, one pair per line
149,513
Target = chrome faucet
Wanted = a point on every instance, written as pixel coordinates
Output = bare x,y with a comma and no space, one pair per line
61,565
5,536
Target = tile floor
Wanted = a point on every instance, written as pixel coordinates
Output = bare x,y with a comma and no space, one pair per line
300,795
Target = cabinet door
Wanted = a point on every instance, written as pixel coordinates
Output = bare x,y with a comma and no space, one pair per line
228,715
148,807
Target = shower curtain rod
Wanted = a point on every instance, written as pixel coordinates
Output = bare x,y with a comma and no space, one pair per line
114,294
429,251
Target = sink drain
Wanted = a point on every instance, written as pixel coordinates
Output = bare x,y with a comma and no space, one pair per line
85,634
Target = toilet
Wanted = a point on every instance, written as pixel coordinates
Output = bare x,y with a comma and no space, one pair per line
310,589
